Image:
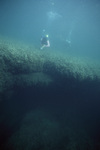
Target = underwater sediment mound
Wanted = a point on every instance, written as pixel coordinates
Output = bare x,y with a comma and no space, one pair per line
67,86
22,66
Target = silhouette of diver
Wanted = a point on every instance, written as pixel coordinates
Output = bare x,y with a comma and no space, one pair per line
45,42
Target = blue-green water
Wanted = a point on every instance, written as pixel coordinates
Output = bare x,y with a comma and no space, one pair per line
68,20
65,115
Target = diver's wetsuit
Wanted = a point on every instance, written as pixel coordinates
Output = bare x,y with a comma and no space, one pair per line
44,41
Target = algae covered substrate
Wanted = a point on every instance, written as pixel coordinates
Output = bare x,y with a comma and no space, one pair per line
48,101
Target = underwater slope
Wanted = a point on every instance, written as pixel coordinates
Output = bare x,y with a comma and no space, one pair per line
34,81
22,66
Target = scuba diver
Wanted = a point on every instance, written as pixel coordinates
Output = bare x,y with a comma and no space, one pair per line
45,42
